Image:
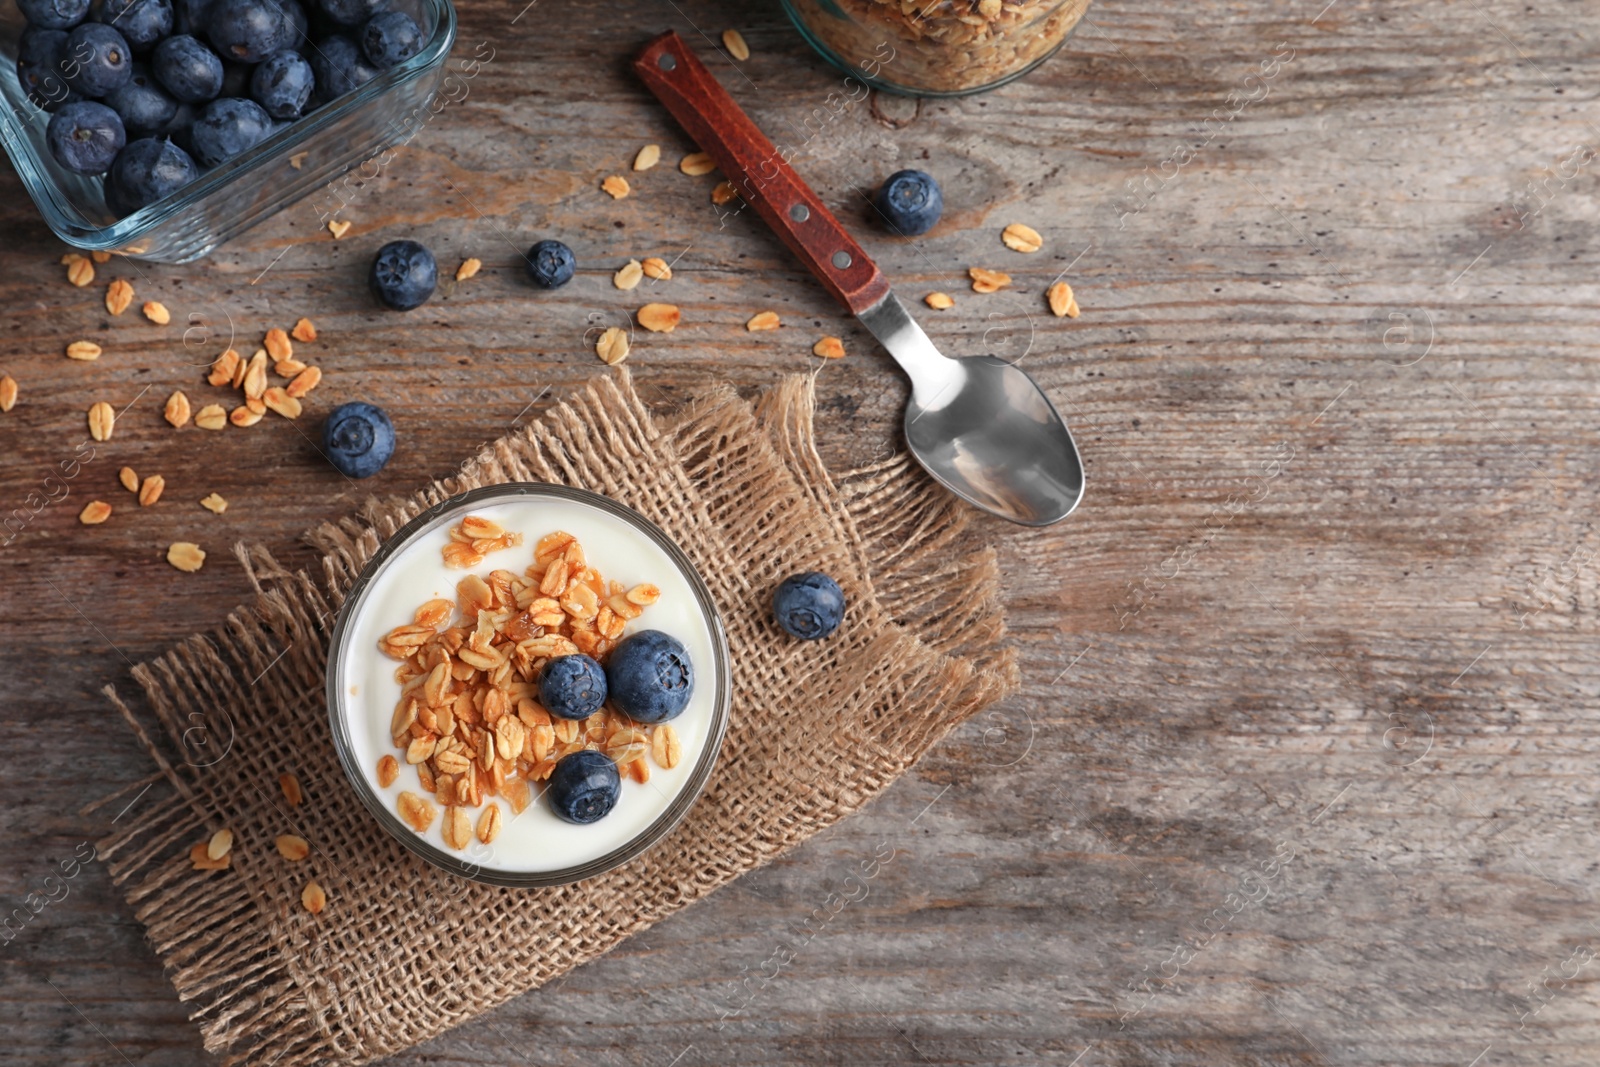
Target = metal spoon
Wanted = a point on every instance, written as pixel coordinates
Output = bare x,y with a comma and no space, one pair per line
980,426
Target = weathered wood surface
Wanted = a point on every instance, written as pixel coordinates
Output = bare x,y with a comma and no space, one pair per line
1308,732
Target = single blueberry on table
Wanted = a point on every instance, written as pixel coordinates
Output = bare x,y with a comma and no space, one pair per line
390,38
551,264
585,786
148,170
54,14
248,31
228,127
187,69
809,605
910,202
98,60
39,56
282,84
339,67
142,23
403,275
143,106
85,137
351,12
649,676
572,687
358,439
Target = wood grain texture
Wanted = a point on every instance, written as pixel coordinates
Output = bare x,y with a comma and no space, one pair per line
1302,772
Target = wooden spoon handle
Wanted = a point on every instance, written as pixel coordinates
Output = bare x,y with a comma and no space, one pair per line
759,172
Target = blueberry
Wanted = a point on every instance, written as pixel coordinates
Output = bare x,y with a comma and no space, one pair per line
85,137
142,23
236,78
142,105
39,56
650,677
339,67
248,31
282,84
403,275
910,202
585,786
146,171
228,127
98,60
187,69
390,38
351,12
358,439
551,264
572,687
809,605
191,17
54,14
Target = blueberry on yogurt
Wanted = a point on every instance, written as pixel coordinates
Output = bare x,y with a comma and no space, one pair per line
85,137
910,202
403,275
572,687
650,677
358,439
810,606
585,786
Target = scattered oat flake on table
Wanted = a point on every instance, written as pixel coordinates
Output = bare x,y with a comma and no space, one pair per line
177,409
660,318
102,420
280,401
766,320
628,275
214,503
616,185
657,268
988,281
244,416
612,348
304,330
648,157
150,490
255,375
734,42
696,164
298,160
222,368
469,268
202,862
828,348
94,513
1062,300
119,294
220,844
8,393
277,345
100,257
156,312
292,848
186,556
211,417
80,271
338,228
85,351
304,382
291,789
313,898
1020,238
724,193
129,480
939,301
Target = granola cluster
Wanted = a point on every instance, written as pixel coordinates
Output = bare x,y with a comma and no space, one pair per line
941,46
469,718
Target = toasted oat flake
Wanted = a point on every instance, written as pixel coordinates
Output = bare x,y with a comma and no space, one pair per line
1062,301
177,409
659,318
119,294
766,320
80,271
292,848
214,503
628,275
298,160
199,861
338,228
304,330
100,257
186,556
290,786
489,824
469,268
665,746
388,771
211,417
644,594
280,401
102,420
287,368
1020,238
613,346
828,348
657,268
277,345
616,185
457,828
734,42
697,163
8,392
304,382
988,281
223,368
156,312
150,490
648,157
724,193
314,898
94,513
255,375
84,351
939,301
129,480
220,843
244,416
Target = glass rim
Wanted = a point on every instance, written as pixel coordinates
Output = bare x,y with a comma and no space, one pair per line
663,824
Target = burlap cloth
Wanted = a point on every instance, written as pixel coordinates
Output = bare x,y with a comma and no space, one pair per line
404,951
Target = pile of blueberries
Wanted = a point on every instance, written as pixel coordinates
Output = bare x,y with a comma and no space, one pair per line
151,93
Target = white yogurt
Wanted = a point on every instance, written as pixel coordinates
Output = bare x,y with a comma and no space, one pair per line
535,841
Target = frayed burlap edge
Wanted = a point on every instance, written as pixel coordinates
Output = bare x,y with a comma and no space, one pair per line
816,732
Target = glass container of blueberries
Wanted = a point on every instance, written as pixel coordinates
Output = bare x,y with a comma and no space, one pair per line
159,129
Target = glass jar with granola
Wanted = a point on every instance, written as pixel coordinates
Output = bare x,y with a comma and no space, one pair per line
936,47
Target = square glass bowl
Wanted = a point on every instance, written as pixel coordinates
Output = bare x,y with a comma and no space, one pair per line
226,200
534,847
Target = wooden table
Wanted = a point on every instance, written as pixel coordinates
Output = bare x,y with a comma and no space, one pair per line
1301,769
